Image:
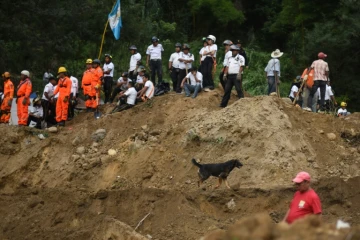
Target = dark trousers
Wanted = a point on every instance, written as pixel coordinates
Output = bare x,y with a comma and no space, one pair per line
45,105
182,75
34,119
156,68
108,82
223,84
271,84
175,78
72,105
206,70
230,82
132,75
318,84
115,92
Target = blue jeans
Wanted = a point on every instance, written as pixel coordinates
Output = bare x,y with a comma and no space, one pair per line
191,88
271,84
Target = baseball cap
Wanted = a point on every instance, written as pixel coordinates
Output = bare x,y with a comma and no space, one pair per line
301,176
322,55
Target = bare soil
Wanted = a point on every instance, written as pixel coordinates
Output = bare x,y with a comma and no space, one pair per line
70,186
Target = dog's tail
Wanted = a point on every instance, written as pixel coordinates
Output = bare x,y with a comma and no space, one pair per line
196,163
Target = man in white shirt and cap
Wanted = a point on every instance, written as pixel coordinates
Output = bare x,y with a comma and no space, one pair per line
195,84
233,75
108,69
272,71
153,53
127,99
228,54
134,61
73,96
186,58
174,65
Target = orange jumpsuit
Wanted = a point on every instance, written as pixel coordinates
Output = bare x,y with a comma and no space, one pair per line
23,91
95,86
86,86
8,95
64,90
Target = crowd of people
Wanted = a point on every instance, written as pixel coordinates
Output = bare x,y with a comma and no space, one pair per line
311,91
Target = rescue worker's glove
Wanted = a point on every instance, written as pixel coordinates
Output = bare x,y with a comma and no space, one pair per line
224,78
24,101
238,77
9,102
66,99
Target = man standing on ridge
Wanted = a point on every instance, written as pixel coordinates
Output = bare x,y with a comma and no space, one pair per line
8,97
272,71
228,54
233,74
62,103
23,98
108,77
174,65
154,56
321,75
96,84
134,61
86,84
185,63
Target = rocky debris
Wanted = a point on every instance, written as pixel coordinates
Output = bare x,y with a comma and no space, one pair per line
34,201
331,136
155,132
112,152
145,127
80,150
102,194
98,135
75,157
52,129
77,140
231,204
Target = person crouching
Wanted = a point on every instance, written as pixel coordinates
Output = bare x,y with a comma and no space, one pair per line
195,84
36,114
126,99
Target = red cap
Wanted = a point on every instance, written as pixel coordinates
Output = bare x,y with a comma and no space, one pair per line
322,55
302,176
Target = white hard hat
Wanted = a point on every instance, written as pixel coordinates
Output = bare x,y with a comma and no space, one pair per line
25,72
212,37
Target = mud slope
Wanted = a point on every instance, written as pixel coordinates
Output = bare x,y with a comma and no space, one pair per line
70,186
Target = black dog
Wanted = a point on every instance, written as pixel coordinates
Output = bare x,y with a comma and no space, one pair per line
219,170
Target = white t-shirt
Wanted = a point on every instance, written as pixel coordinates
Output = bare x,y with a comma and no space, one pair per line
193,82
139,79
37,111
150,91
57,95
49,88
293,90
201,53
234,64
134,59
343,112
108,66
74,85
226,58
155,52
131,94
174,58
210,49
328,93
124,86
188,56
273,65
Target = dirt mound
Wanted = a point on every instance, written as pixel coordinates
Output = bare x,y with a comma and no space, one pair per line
262,227
126,165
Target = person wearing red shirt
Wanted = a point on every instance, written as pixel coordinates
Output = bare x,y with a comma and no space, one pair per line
305,201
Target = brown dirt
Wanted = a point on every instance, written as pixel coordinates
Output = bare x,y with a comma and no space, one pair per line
49,191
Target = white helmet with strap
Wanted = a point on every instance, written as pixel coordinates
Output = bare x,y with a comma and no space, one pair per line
212,37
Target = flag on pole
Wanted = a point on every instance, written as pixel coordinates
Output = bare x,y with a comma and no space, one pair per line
115,20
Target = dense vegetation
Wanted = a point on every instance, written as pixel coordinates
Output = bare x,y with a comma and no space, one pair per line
41,34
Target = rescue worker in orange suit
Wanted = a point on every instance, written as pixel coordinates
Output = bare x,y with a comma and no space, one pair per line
62,103
8,97
96,83
23,98
86,84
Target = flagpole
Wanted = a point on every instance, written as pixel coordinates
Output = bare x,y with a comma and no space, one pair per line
103,38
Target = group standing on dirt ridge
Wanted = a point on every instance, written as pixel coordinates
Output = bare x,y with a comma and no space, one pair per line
311,91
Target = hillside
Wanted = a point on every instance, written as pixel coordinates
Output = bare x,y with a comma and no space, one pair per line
96,179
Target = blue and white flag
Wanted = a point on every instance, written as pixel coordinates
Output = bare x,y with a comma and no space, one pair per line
115,20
